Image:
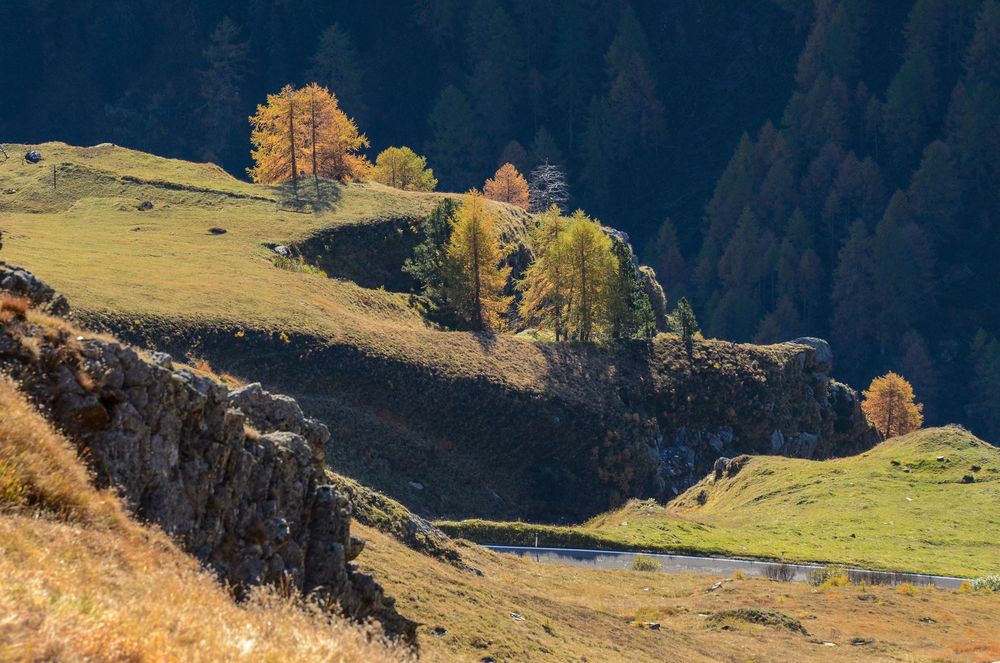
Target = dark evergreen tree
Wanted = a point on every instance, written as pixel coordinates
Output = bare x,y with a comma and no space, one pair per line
428,263
221,89
335,65
456,150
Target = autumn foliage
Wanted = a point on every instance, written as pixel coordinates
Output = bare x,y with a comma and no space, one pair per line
476,276
303,131
890,407
507,186
568,287
402,168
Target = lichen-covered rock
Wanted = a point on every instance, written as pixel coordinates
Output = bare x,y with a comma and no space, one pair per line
23,283
256,508
269,412
657,298
824,353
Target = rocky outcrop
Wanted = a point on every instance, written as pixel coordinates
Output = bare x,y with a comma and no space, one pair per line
23,283
238,478
657,297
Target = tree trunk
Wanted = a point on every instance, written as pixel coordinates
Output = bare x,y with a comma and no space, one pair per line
477,312
291,136
312,111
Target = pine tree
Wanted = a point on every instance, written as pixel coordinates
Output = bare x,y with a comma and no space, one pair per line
499,63
221,85
402,168
683,322
855,307
335,66
985,394
890,407
904,280
668,260
546,287
910,107
917,364
629,311
572,82
476,276
507,186
544,149
429,262
733,193
935,192
982,62
457,147
304,131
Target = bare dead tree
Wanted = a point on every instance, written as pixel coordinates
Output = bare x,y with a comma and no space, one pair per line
547,187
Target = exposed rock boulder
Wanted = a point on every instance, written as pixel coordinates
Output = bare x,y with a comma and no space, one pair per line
256,508
269,412
824,354
657,298
24,284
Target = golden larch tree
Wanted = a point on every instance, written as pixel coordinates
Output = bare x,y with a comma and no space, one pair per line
592,266
303,131
546,287
476,274
568,286
333,140
402,168
507,186
276,134
889,404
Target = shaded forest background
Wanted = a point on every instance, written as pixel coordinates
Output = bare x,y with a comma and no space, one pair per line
822,167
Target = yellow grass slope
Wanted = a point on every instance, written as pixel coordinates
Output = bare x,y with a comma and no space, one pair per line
87,237
80,581
524,611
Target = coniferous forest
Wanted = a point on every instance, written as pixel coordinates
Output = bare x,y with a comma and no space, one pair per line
789,167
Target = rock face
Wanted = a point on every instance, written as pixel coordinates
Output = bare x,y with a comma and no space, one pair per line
824,354
657,298
256,506
23,283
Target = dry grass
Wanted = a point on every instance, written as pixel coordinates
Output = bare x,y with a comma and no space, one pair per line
80,581
39,470
81,594
576,614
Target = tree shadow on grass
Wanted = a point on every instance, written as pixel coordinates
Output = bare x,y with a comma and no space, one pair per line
309,196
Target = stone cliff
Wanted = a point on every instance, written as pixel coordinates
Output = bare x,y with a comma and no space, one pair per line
237,477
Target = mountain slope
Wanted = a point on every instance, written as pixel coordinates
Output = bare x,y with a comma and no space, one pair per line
542,430
895,507
80,580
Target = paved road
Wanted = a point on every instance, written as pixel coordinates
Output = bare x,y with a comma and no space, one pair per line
719,566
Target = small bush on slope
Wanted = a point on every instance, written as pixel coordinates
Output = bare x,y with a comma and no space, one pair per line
80,581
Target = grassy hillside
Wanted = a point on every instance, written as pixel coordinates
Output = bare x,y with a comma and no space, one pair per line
79,580
519,610
896,507
542,430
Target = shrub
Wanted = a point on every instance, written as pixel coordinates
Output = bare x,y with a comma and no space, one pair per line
828,576
297,265
987,583
643,563
906,589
